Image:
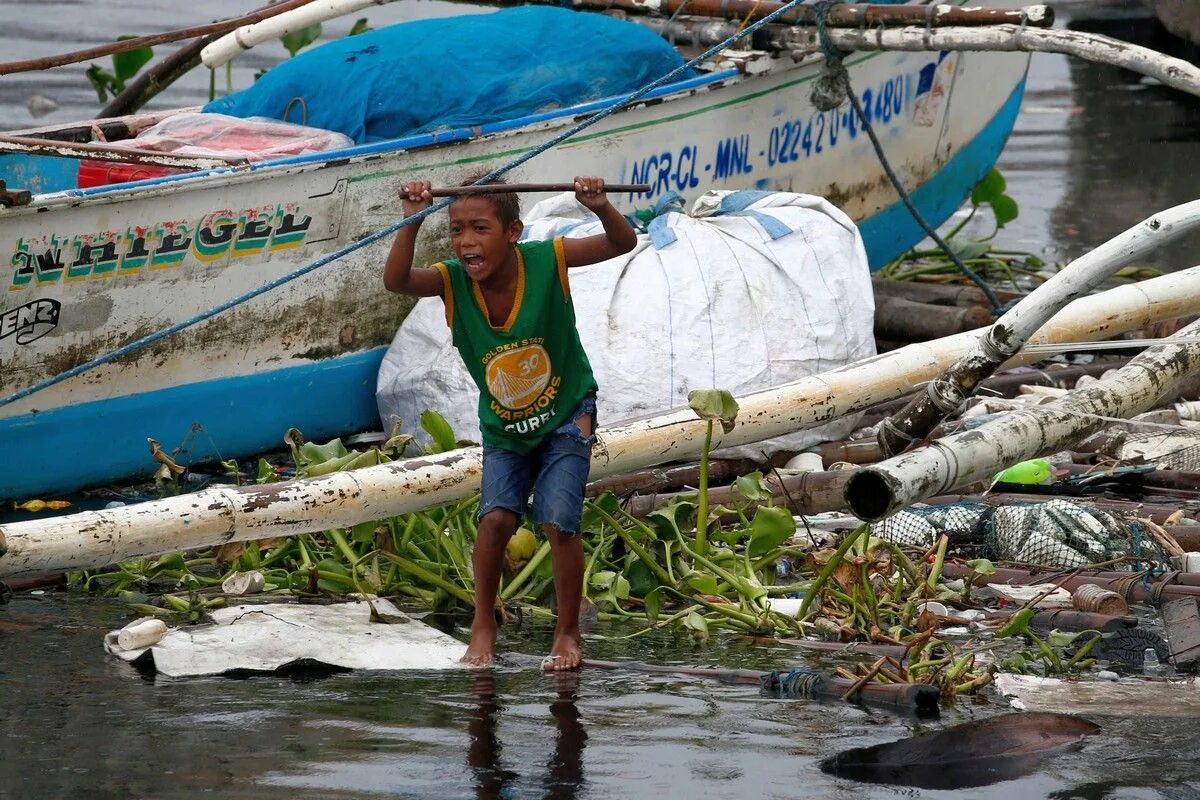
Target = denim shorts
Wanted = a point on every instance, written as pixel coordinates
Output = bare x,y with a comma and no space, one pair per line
556,471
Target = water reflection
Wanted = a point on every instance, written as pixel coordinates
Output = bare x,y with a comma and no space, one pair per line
563,777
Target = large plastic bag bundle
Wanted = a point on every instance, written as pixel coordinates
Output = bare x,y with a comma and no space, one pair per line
750,291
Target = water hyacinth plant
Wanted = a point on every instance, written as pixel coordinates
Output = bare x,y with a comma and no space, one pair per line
690,565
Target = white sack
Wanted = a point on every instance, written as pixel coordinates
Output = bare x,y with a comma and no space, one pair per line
750,291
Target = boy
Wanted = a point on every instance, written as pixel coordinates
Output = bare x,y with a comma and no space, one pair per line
509,307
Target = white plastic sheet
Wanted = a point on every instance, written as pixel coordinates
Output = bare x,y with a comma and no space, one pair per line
749,291
267,636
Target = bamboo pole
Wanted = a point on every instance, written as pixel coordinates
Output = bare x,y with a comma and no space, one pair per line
1007,335
877,491
1094,47
244,37
37,64
851,15
218,515
110,152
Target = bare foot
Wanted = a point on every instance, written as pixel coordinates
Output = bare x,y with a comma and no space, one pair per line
565,654
481,652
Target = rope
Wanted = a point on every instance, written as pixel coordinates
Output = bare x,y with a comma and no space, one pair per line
798,684
836,72
554,141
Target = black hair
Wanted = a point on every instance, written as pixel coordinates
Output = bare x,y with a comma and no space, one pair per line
506,204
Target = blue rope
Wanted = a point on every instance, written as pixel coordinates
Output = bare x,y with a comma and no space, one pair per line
798,684
837,71
629,99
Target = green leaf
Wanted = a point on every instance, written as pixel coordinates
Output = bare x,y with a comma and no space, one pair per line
988,189
592,521
753,487
669,521
714,404
620,588
360,26
439,430
701,582
967,249
697,625
641,580
266,473
1061,638
653,602
603,580
771,527
127,64
1017,625
102,81
1005,210
749,587
364,532
981,566
297,40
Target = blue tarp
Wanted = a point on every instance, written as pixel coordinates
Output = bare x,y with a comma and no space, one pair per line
427,75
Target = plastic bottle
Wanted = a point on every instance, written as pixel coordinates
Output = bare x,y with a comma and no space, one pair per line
1150,663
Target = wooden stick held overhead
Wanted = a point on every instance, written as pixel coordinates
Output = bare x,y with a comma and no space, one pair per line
495,188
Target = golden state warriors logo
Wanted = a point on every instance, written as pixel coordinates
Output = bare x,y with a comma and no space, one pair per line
516,378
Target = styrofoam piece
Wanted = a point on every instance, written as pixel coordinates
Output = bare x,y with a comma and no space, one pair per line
268,636
136,636
788,606
806,462
1190,562
242,583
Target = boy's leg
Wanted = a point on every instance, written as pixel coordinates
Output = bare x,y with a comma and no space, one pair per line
558,506
495,529
507,478
566,549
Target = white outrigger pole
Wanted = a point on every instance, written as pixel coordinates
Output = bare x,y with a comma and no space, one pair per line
211,517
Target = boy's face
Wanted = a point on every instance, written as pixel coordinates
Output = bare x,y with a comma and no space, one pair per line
479,240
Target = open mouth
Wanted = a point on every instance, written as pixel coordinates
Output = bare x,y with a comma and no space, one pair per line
474,263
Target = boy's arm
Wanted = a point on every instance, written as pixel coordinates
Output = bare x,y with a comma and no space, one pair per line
618,237
399,275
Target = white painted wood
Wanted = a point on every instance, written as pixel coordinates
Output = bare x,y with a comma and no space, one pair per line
215,516
1173,72
239,40
884,488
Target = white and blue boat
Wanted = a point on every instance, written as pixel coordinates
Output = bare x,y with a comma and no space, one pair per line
89,270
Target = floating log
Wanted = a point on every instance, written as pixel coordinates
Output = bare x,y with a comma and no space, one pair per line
918,697
214,516
806,493
902,320
875,492
1009,333
940,294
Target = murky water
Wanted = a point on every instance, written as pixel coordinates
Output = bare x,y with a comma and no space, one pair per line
1094,152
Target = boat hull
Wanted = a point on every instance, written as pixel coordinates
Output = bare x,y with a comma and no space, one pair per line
92,270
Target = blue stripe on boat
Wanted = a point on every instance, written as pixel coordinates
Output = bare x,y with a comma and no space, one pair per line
892,231
68,448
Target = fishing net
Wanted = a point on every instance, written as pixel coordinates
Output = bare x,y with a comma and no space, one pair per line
1056,533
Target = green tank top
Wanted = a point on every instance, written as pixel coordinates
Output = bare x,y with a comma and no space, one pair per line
532,372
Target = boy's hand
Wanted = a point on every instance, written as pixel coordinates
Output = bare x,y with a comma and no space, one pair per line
415,196
590,192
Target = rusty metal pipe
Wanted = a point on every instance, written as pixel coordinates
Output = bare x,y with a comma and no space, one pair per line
1129,585
806,493
899,319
